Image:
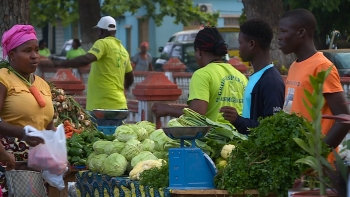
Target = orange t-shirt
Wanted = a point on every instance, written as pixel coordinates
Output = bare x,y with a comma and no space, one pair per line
298,81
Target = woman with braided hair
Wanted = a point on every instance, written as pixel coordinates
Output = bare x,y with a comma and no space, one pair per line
214,85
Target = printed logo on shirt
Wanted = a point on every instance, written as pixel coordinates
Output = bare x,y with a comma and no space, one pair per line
276,109
287,107
233,83
96,50
293,83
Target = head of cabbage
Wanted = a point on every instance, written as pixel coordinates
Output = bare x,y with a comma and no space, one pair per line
114,147
144,155
99,146
140,131
114,165
96,161
159,138
125,132
148,145
149,126
131,149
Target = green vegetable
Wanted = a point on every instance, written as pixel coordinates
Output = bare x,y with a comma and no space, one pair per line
125,132
99,146
149,126
148,145
161,155
80,162
159,138
114,165
89,158
141,132
131,149
114,147
174,123
76,145
95,163
156,177
143,156
266,161
74,159
75,151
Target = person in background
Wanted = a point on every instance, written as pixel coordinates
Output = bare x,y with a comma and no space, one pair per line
214,85
111,71
76,50
20,45
264,94
142,59
297,28
43,50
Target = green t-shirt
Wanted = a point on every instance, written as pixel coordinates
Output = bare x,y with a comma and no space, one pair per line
106,79
219,84
75,53
45,52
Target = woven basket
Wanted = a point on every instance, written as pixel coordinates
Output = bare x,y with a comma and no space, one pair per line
22,183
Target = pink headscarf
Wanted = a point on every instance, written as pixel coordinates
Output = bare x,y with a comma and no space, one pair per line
16,36
145,44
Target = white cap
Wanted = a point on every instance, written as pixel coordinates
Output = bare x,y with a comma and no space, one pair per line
105,22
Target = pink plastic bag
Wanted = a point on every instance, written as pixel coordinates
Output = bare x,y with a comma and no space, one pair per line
51,156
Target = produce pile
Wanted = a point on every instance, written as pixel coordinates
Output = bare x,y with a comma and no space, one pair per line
136,147
79,146
66,108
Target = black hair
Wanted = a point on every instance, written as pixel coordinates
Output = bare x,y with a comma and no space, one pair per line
303,18
41,42
77,42
210,40
258,30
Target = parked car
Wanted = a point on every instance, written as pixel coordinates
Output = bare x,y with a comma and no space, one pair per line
183,50
341,59
185,38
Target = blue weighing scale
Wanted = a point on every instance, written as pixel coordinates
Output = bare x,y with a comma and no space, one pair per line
108,120
189,167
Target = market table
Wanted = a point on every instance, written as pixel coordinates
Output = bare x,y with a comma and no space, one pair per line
54,192
211,193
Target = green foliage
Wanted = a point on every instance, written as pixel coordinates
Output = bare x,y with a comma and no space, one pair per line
183,10
156,177
330,14
43,12
266,161
313,142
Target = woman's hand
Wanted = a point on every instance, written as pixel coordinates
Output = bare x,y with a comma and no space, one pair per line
7,158
160,109
34,141
229,113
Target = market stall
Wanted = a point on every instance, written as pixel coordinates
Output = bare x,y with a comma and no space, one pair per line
191,156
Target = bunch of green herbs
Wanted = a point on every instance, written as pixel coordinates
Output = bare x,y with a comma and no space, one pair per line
156,177
266,161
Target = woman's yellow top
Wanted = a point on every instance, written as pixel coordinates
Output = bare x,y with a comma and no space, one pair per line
20,107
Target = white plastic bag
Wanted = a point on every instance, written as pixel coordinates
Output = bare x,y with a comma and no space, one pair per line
54,180
51,156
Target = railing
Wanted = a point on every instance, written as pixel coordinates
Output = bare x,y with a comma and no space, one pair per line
182,79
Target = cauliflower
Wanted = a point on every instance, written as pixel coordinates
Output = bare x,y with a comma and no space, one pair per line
144,165
226,150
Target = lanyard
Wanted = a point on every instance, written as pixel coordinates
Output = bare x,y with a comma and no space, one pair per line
22,78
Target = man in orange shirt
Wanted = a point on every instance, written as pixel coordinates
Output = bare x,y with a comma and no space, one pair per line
297,28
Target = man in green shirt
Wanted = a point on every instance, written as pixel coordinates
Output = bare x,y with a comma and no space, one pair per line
111,71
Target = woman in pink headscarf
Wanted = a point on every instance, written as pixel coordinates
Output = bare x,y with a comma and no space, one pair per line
18,105
142,59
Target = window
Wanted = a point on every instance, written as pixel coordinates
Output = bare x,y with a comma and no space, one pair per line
342,60
166,51
177,52
231,39
231,21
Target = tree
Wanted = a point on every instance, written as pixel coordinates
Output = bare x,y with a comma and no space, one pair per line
270,11
13,12
182,10
330,15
